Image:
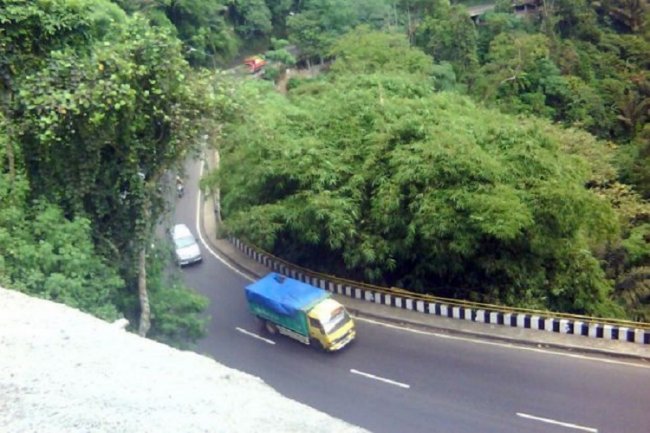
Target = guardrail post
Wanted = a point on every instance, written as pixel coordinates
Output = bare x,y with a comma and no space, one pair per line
593,330
564,326
521,320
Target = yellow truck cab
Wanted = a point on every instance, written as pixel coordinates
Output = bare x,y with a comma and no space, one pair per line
300,311
330,324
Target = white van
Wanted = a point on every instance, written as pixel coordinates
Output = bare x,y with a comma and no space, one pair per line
186,250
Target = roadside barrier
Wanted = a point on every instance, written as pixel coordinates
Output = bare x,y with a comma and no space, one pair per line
609,329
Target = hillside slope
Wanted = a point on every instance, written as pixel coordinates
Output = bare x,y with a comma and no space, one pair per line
65,371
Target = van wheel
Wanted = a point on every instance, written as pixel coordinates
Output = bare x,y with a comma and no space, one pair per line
270,327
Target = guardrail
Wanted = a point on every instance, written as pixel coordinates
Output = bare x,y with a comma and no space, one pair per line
611,329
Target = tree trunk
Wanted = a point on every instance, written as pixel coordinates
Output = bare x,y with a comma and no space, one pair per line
145,312
11,159
143,294
410,24
6,98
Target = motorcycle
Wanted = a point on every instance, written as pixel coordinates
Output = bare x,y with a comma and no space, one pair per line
180,188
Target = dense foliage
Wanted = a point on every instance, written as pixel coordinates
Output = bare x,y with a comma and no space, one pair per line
98,107
369,173
502,157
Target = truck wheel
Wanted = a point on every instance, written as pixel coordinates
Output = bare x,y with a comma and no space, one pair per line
270,327
316,344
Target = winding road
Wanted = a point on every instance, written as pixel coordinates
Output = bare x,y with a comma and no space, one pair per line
396,380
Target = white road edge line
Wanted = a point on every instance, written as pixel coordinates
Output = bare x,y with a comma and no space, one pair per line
506,345
560,423
251,334
381,379
198,230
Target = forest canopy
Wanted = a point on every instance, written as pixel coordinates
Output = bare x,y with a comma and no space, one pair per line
390,169
379,177
97,106
501,156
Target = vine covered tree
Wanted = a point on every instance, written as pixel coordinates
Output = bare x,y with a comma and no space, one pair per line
98,115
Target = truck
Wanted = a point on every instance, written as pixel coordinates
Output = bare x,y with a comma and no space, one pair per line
254,64
300,311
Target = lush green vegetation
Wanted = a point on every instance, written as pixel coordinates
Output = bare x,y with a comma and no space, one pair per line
96,107
504,161
376,176
370,172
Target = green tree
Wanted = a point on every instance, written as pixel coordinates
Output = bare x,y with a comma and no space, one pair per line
494,24
280,10
305,31
112,124
635,163
392,183
627,15
569,18
316,27
320,22
29,32
449,35
251,18
365,51
279,53
208,38
44,254
521,77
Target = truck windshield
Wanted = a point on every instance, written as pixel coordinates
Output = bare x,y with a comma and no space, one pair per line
338,318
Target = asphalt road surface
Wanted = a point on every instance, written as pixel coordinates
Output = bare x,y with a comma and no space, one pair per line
396,380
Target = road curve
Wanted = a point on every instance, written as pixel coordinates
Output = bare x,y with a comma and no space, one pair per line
392,380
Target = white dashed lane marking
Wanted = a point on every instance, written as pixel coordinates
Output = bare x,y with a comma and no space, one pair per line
251,334
381,379
555,422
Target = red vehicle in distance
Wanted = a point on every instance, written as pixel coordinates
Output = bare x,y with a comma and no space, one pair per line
255,64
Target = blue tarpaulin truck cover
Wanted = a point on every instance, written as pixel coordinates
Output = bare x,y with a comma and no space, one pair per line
282,294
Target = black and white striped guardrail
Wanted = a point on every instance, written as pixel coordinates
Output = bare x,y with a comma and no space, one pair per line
491,316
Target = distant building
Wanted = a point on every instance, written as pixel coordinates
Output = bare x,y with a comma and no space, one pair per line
526,6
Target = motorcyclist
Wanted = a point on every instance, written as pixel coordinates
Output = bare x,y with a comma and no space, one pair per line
180,188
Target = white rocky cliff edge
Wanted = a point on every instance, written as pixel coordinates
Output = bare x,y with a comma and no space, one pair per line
65,371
